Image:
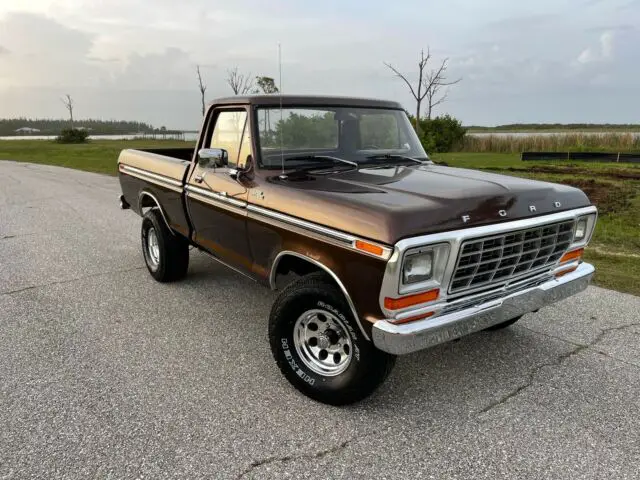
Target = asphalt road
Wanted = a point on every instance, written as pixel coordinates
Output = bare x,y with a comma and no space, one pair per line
105,373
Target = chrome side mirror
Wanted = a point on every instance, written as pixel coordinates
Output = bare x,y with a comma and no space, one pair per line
212,157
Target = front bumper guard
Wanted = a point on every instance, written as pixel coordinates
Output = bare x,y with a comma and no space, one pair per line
418,335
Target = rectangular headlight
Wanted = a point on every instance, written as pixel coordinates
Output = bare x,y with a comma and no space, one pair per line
583,230
423,268
417,267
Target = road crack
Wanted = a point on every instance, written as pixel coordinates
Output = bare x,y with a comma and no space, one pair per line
69,280
287,458
18,235
558,361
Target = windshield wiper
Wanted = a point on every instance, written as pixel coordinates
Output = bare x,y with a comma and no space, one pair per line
392,156
321,158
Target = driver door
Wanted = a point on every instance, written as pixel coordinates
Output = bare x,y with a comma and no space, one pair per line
216,201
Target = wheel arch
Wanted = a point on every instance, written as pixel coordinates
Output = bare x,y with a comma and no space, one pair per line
288,258
147,199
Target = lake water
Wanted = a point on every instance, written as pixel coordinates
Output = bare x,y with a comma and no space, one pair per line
186,136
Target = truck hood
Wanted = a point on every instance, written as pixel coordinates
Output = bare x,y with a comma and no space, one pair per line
389,203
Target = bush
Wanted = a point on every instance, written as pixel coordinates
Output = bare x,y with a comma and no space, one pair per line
441,134
73,135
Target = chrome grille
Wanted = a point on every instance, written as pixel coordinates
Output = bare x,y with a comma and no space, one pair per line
497,259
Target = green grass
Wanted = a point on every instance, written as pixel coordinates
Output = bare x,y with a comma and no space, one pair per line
616,272
96,156
614,188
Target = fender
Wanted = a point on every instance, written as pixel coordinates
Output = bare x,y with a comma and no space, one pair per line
144,193
285,253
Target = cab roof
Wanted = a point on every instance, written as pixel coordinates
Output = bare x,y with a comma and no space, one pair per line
305,101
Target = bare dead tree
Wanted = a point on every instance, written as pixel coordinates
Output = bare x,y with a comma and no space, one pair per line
240,83
267,85
436,84
418,93
429,85
203,88
68,103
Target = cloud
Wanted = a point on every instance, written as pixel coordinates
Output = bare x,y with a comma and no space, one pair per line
604,50
587,56
606,44
136,60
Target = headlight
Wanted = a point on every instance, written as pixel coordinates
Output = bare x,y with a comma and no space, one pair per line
583,230
417,267
423,267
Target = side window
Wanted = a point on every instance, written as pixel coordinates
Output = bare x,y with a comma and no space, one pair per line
227,133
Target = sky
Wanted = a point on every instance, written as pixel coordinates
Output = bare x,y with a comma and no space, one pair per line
543,61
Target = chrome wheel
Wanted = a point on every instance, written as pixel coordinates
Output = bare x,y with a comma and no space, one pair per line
322,342
153,249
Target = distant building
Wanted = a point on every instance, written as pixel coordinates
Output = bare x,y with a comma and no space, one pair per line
27,131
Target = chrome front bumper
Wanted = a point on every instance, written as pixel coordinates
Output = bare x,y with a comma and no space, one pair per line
421,334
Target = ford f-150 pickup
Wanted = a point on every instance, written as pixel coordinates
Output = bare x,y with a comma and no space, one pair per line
376,251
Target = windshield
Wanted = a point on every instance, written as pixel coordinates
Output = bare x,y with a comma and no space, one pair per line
303,136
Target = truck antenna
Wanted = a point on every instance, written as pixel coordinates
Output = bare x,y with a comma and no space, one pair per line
281,118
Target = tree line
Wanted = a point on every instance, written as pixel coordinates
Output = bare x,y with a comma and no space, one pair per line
95,127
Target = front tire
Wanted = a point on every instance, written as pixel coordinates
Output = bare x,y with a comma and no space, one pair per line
502,325
319,347
166,254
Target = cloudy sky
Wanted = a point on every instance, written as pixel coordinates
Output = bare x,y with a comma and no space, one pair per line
542,61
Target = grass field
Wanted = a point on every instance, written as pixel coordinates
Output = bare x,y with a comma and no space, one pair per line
614,188
97,156
555,142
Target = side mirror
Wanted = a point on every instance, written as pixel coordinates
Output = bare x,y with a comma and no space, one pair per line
212,157
236,173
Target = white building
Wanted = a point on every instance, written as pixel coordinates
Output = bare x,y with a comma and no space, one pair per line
27,131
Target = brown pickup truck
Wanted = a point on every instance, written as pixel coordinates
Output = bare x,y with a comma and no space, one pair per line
376,250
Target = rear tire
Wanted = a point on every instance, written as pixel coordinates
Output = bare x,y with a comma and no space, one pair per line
165,254
319,347
502,325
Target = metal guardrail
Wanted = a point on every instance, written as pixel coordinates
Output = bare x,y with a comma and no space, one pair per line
582,157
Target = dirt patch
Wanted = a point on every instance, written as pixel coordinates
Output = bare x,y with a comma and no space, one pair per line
608,197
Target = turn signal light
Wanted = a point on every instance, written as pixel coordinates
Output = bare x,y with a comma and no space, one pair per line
572,255
369,247
403,302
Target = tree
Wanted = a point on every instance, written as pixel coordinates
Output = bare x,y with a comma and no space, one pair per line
240,83
68,103
267,85
436,81
429,84
203,88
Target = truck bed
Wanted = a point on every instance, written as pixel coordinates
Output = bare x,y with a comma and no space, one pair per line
157,176
181,153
